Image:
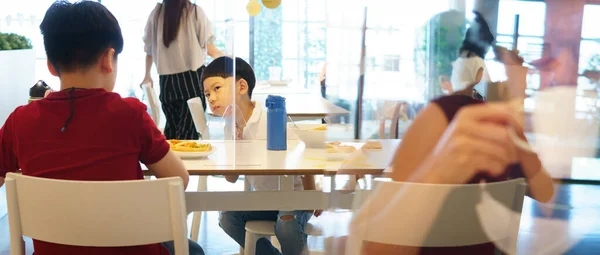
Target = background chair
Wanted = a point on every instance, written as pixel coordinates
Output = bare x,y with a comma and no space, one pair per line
93,213
199,117
153,102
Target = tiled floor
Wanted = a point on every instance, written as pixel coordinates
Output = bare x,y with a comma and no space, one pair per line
575,227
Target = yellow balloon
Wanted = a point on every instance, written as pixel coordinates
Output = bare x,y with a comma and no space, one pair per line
253,8
271,4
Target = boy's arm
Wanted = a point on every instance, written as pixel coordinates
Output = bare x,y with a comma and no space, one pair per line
155,152
8,158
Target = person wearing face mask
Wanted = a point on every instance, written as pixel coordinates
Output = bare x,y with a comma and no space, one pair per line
467,70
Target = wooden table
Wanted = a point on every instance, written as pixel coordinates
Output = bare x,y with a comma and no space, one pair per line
252,158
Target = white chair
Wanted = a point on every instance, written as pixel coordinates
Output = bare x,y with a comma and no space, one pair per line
199,117
154,107
259,229
153,102
391,111
94,213
447,215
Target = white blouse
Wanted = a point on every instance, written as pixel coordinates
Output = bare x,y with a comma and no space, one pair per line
189,49
256,129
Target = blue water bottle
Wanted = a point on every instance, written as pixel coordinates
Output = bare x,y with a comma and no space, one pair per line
276,123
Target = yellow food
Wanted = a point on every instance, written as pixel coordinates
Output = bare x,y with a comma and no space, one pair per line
341,149
332,144
188,146
320,128
372,145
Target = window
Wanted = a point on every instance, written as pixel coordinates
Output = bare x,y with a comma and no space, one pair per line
532,17
589,49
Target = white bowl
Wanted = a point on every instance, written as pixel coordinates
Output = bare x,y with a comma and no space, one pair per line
312,138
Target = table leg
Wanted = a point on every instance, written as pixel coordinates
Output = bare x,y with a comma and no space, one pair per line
286,183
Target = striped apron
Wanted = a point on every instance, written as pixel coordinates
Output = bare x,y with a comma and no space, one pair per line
175,90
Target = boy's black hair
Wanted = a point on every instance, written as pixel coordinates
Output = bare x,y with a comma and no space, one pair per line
76,35
223,67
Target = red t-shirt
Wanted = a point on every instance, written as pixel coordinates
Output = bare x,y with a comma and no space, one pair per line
106,140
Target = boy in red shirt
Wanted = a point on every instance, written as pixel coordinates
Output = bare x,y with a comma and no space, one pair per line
85,131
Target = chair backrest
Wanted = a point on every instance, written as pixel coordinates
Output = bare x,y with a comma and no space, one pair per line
153,101
439,215
391,112
96,213
199,117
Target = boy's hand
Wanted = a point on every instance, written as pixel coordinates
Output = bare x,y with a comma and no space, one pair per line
231,178
316,213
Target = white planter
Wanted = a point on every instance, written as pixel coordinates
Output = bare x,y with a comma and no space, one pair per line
17,75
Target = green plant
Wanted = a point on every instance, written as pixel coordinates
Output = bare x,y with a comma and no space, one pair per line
14,42
440,41
594,63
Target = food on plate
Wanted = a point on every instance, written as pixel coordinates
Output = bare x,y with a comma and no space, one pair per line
333,144
341,149
189,146
173,142
320,128
372,145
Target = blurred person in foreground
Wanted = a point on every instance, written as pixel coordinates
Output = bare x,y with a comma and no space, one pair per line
457,139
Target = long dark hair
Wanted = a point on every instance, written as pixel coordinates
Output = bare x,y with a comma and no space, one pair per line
478,38
174,13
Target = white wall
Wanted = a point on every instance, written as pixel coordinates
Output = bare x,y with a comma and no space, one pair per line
17,75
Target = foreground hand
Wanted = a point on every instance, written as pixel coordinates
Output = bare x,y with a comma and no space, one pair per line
475,141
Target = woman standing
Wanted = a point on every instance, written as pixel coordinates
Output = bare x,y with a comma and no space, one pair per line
177,38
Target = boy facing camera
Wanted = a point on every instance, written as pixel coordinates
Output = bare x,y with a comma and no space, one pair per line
220,85
85,132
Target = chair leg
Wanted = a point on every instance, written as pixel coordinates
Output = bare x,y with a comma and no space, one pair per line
197,219
250,242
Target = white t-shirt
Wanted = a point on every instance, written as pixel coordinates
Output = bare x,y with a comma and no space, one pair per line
464,72
189,49
256,129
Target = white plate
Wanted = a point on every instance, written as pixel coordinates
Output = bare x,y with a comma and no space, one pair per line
193,155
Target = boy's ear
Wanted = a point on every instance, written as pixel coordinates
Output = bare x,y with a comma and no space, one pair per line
106,61
243,86
51,68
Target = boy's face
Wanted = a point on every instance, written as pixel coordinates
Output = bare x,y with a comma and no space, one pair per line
218,92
